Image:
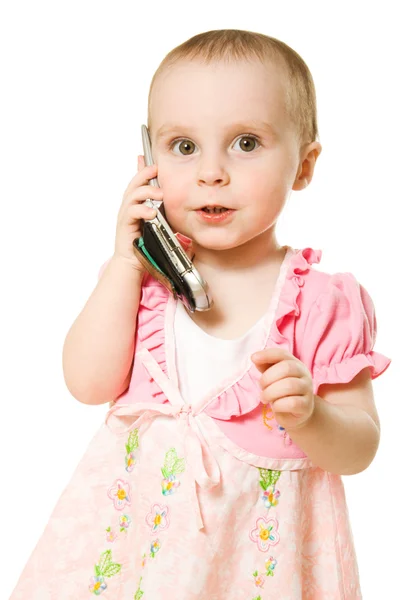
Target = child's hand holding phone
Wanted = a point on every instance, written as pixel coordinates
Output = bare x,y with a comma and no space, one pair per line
132,211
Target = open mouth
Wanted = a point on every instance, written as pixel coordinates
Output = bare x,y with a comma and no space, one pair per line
214,210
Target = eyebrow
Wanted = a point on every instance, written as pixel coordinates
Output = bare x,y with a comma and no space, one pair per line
169,128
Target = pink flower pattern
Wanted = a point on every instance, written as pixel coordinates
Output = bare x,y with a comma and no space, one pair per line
120,494
265,533
158,518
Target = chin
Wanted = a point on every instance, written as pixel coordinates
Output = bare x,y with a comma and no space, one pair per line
216,241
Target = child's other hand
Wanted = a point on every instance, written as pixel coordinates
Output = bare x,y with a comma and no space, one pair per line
287,385
132,211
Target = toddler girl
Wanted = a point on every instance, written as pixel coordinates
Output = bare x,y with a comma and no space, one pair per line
217,472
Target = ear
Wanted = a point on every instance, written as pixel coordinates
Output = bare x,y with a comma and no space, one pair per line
305,172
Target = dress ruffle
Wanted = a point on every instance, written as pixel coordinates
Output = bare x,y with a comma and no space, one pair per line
151,331
282,330
151,319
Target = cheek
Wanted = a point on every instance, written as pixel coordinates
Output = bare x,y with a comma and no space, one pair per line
175,191
272,182
174,199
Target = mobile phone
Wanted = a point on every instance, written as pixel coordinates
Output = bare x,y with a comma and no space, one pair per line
160,252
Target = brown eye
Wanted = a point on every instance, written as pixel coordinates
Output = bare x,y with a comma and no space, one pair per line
185,147
247,143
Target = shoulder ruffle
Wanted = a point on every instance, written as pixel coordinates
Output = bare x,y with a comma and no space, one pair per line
150,327
282,330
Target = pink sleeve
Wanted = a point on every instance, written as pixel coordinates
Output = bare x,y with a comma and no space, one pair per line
340,333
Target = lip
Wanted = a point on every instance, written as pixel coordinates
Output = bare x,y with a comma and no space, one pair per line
215,217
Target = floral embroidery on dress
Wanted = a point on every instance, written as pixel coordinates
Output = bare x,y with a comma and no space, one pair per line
131,446
124,522
111,536
105,568
265,533
173,466
139,593
154,547
158,518
120,494
259,578
270,565
268,479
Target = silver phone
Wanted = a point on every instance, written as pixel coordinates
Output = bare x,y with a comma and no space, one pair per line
161,253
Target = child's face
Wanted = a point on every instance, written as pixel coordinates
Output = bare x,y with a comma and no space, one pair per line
203,122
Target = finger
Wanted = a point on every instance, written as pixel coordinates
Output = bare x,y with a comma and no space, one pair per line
140,163
144,192
291,386
141,178
138,212
293,405
278,371
269,356
136,208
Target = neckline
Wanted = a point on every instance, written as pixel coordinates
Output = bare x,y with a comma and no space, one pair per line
264,317
268,319
213,338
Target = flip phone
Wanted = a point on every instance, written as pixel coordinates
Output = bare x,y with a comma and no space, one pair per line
160,252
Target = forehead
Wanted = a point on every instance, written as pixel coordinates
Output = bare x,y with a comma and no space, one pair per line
193,92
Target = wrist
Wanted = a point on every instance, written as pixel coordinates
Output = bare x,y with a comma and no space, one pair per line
124,263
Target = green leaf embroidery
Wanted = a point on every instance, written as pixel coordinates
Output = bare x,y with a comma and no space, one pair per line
133,441
172,464
179,466
139,592
268,477
170,458
112,569
106,567
105,561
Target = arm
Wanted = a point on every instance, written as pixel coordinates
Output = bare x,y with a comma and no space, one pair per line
343,432
338,430
99,347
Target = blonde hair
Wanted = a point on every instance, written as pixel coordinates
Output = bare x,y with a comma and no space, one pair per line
237,44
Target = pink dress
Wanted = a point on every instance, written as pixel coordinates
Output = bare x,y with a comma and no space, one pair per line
213,501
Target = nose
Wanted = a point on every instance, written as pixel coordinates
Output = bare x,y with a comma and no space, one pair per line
212,172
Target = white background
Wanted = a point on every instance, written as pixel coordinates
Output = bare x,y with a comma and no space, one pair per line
74,80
